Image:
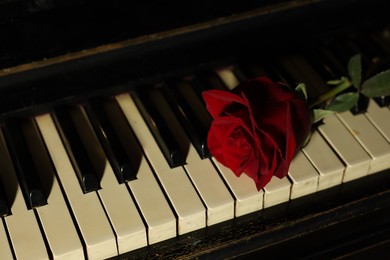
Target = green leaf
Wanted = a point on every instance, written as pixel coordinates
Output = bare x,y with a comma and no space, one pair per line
320,114
378,85
355,70
301,90
343,102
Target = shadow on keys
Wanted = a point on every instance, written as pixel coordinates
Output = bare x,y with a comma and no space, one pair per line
30,161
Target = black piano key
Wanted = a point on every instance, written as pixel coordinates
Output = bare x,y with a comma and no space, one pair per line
110,141
196,131
24,165
4,206
82,164
165,139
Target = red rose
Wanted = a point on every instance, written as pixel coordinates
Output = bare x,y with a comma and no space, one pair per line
257,128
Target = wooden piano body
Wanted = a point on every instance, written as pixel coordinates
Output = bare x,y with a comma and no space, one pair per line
55,53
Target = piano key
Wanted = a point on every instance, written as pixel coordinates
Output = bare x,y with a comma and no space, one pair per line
355,158
24,165
163,136
55,217
212,81
277,191
152,203
97,113
160,220
369,137
228,78
5,247
312,78
4,208
191,214
379,117
298,75
76,151
335,66
123,215
195,127
303,176
329,167
195,102
23,229
320,63
210,187
94,227
247,198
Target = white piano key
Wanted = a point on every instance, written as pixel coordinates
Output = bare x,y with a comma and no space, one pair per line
247,198
380,118
57,223
120,208
277,191
228,78
303,175
184,199
329,167
26,238
160,220
5,247
369,137
355,158
94,226
215,195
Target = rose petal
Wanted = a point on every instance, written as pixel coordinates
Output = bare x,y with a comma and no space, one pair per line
228,143
218,100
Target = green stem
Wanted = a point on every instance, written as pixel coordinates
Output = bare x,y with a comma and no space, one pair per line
345,83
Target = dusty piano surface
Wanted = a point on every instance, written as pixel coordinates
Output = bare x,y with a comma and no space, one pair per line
102,131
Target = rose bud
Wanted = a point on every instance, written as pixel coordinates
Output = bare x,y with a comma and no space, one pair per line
257,128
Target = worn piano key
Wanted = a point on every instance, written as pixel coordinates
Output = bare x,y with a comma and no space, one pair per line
247,198
125,220
277,191
355,158
95,229
55,217
379,117
23,229
76,151
213,192
5,247
183,102
369,138
156,212
191,214
4,208
329,167
121,164
163,136
303,175
24,165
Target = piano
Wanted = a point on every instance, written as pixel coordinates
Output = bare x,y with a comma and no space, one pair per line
102,141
